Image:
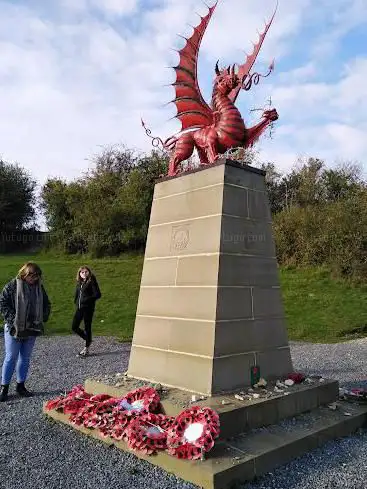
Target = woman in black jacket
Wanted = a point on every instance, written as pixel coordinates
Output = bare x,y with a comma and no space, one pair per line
86,294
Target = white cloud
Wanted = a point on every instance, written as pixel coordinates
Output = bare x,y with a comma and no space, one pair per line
301,74
115,7
72,83
109,8
328,120
237,24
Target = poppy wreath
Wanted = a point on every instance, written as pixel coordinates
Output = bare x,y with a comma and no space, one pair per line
81,417
76,397
132,419
142,400
118,430
101,413
180,446
148,433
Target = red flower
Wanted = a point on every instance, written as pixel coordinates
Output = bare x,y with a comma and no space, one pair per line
132,419
297,377
142,400
119,428
193,432
148,433
61,402
73,406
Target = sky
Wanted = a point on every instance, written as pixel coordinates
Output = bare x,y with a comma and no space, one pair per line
77,75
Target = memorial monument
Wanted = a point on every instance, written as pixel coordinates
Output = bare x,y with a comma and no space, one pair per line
210,329
210,304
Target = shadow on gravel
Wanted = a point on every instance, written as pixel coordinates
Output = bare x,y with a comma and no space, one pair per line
36,394
47,392
104,354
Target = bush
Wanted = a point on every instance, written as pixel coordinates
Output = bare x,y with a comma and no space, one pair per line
106,212
334,234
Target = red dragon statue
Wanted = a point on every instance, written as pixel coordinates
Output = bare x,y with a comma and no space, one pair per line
216,129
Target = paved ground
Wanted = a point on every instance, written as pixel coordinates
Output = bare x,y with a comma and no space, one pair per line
38,453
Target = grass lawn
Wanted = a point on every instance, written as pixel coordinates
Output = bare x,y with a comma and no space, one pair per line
317,308
119,281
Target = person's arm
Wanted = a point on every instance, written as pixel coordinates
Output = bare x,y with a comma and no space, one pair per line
46,306
96,290
7,303
76,294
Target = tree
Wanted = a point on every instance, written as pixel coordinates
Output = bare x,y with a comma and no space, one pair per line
244,156
17,197
107,211
342,181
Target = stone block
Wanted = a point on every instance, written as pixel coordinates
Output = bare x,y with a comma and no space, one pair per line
267,302
232,372
245,236
191,204
235,201
247,177
190,181
274,363
187,372
198,236
258,205
234,303
253,271
159,272
251,335
187,336
178,302
198,270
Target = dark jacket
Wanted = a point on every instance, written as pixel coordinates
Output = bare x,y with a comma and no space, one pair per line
87,294
7,303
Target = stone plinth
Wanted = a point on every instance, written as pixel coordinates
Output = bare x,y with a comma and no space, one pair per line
210,304
237,416
249,456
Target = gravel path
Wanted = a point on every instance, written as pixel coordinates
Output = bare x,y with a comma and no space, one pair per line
38,453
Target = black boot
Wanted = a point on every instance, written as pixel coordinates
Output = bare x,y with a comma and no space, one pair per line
22,391
4,393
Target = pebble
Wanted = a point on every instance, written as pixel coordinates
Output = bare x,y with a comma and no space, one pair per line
289,382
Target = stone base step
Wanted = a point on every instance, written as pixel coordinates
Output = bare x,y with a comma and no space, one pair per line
250,455
237,416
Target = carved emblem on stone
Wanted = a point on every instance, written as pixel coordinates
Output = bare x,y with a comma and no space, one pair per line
180,238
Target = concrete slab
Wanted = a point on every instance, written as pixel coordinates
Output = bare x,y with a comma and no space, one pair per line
235,415
247,456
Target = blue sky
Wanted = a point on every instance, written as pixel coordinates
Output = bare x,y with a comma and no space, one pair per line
78,74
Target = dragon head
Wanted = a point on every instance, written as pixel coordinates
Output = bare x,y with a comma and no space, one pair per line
226,80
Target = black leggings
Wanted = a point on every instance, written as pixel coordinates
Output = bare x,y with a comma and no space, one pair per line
86,314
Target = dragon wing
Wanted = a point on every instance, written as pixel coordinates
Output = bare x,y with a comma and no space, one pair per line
192,110
245,68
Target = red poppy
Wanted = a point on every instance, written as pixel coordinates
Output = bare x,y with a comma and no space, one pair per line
297,377
193,433
148,433
142,400
132,419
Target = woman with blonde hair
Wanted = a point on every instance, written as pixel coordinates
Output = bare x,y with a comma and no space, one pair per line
87,292
25,306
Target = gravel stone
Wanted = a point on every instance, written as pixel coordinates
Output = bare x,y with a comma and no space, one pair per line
36,452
